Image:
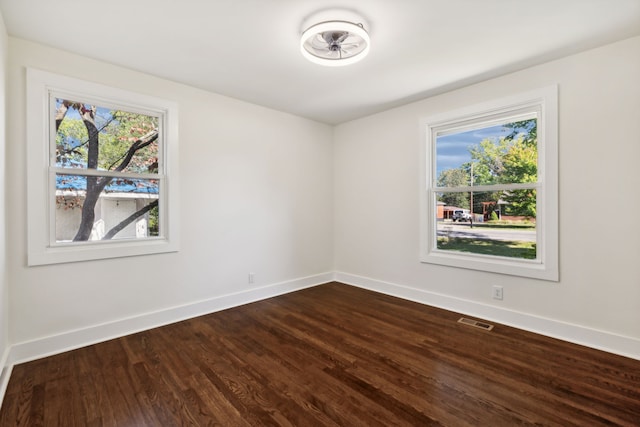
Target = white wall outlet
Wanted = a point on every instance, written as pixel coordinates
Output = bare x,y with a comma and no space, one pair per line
497,292
252,277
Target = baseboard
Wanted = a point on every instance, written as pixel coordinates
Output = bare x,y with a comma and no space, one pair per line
43,347
47,346
5,373
601,340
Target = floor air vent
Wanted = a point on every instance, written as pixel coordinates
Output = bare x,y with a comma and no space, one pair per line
475,323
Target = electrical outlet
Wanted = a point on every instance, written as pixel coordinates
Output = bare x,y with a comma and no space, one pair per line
497,292
252,277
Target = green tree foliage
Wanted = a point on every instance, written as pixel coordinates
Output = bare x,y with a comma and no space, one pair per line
508,160
521,203
121,134
454,178
520,163
527,129
481,172
487,159
511,159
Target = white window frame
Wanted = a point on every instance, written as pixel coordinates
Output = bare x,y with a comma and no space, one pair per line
42,247
545,266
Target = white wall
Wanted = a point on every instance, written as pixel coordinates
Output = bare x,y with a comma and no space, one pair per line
377,203
256,196
4,286
289,199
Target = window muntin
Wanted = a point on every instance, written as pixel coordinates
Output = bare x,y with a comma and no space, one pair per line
134,192
489,200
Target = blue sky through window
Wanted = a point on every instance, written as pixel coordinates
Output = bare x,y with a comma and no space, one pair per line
452,150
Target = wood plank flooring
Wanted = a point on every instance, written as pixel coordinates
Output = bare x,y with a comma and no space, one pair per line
332,355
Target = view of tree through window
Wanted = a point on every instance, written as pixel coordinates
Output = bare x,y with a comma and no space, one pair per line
485,188
106,173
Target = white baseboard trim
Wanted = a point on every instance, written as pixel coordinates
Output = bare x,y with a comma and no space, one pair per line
601,340
43,347
5,373
47,346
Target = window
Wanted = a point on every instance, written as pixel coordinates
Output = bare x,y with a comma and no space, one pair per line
102,169
489,192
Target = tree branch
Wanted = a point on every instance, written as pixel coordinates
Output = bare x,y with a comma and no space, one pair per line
93,193
61,112
139,144
75,148
117,228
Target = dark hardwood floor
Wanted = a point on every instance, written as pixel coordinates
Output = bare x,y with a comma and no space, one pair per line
331,355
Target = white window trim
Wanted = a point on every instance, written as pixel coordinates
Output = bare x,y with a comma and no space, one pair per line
546,265
41,250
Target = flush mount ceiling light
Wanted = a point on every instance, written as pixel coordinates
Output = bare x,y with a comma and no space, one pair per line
335,43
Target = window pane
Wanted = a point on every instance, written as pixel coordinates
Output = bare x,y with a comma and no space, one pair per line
95,137
112,208
500,224
498,154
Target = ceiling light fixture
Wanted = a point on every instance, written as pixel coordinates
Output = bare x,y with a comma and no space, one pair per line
335,43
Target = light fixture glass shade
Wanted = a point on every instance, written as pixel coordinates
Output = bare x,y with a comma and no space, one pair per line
335,43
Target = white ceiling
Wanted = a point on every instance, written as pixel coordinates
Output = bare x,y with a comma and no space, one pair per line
249,49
